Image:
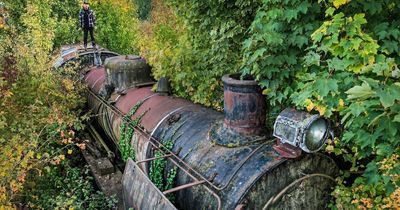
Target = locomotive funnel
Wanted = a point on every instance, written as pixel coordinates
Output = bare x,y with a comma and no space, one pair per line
244,113
244,105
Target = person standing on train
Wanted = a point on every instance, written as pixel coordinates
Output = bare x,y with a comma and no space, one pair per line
87,21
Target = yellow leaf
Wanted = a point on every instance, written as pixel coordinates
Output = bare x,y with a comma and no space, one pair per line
339,3
310,105
62,157
329,148
266,91
69,152
341,103
7,94
371,59
321,110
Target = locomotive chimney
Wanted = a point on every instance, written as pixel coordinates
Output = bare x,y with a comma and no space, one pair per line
244,108
244,105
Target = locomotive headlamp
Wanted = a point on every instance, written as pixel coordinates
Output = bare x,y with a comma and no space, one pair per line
301,129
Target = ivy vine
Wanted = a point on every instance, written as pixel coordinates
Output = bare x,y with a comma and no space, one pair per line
127,131
158,169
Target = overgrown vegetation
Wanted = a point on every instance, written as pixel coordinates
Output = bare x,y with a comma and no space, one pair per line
127,132
336,58
68,185
40,117
163,178
117,24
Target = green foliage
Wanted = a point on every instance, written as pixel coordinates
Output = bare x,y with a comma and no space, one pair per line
66,187
40,113
127,131
195,47
273,53
338,58
161,177
143,9
348,51
116,25
66,14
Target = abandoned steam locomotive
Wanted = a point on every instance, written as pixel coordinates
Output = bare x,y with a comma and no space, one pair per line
213,160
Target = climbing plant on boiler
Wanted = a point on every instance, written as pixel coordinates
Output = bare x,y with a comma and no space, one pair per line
127,131
158,169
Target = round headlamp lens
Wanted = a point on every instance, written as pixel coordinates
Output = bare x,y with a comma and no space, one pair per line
316,135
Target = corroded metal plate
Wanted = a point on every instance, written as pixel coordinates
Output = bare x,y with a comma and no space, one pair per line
140,193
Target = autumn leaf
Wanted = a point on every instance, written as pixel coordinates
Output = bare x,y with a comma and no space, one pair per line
321,110
310,105
341,103
339,3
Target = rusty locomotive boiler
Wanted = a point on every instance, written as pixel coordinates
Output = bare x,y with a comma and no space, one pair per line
221,160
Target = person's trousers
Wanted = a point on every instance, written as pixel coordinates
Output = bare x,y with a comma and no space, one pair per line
85,36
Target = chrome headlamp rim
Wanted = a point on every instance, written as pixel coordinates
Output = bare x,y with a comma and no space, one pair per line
303,144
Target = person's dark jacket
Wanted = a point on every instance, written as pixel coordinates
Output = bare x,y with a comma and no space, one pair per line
92,18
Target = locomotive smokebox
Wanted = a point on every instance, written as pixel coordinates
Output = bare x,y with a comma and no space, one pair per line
244,112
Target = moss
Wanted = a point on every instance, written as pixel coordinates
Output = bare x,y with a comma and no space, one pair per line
232,145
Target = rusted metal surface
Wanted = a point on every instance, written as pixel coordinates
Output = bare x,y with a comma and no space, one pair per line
287,150
233,171
163,86
156,108
152,142
290,186
95,78
244,105
185,186
132,97
231,165
154,158
244,109
72,53
124,72
140,193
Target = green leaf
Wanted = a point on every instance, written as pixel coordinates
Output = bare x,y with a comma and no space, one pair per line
371,173
348,136
362,92
324,86
365,139
396,118
330,11
312,58
359,19
388,95
384,150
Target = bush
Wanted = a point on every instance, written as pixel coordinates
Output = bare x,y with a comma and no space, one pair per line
66,186
195,50
116,27
40,112
336,58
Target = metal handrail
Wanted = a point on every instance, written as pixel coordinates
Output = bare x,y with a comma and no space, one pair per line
167,152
